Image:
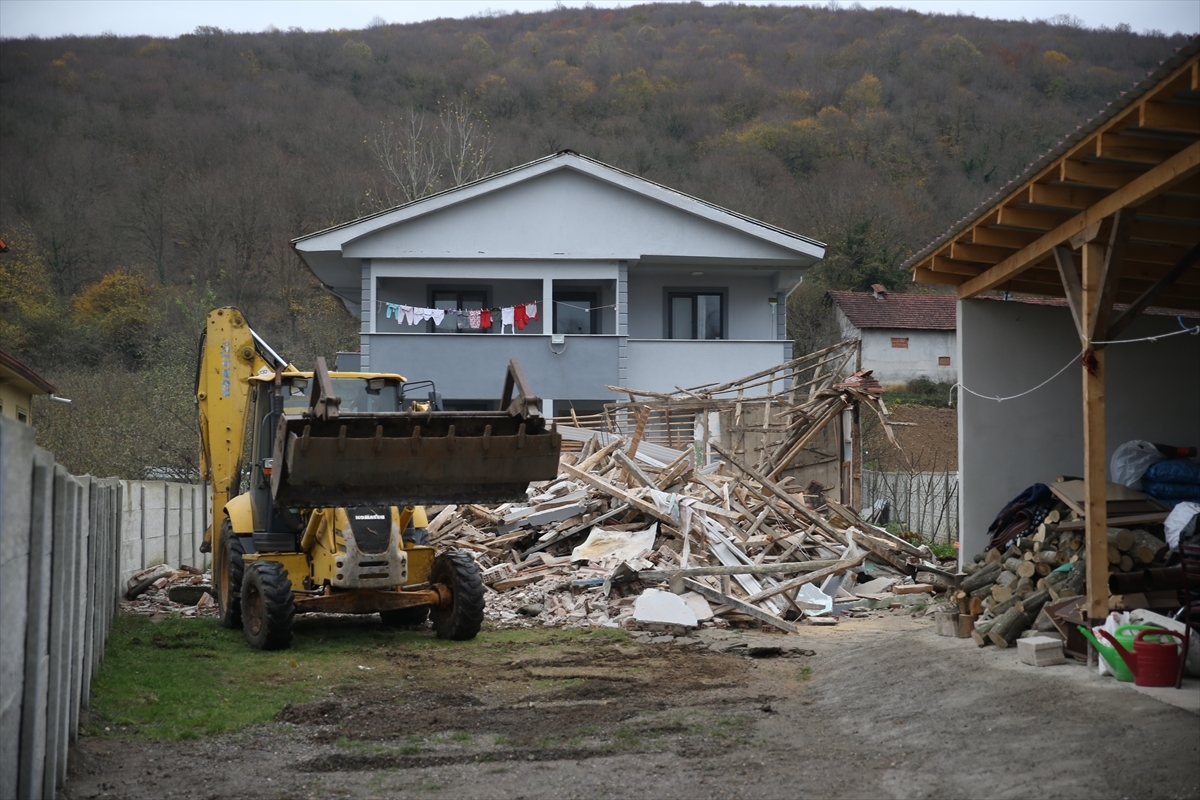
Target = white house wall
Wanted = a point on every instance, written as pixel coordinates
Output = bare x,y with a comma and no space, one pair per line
1152,392
562,214
903,364
749,315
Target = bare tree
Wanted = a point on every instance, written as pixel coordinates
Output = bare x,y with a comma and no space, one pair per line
419,155
466,143
407,157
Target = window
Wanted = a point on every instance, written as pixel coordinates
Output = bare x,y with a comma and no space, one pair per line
696,315
22,415
943,361
456,300
576,312
900,342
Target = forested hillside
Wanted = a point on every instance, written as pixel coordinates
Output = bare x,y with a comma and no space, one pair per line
143,181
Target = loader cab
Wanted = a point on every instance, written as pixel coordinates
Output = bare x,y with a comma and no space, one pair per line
279,529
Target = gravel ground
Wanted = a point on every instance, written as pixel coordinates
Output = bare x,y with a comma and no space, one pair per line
878,707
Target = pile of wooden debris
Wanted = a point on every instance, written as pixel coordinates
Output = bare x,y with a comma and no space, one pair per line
714,522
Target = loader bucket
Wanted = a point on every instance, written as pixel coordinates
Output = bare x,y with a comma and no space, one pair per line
410,458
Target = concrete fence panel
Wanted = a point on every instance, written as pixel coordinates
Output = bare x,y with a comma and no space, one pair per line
64,551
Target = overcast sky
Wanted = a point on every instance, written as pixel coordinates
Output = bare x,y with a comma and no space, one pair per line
168,18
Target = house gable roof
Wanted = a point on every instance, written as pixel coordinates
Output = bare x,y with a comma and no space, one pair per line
930,312
562,206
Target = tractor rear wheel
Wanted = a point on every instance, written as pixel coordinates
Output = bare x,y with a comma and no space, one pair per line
268,606
229,577
405,617
461,619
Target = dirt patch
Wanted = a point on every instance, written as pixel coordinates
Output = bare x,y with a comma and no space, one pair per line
883,708
930,442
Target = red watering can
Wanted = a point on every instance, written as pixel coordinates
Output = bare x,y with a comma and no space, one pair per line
1153,663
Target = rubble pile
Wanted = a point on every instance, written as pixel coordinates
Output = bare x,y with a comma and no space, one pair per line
162,589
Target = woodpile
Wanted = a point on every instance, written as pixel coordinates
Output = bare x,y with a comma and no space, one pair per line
1008,593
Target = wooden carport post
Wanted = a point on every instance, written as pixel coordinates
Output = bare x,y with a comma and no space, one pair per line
1095,483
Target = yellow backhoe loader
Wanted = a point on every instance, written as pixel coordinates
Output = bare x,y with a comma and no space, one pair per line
327,514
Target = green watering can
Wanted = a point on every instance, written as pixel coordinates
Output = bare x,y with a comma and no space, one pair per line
1125,635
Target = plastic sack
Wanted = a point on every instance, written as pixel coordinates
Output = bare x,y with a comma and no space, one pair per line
1181,524
1171,493
1174,470
1115,620
1131,460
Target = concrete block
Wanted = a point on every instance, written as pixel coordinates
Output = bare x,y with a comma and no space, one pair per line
698,604
655,607
1040,651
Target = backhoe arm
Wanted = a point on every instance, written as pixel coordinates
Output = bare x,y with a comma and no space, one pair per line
230,353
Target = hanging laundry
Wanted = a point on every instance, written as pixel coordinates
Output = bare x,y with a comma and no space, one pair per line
531,311
438,315
507,318
392,310
520,318
405,314
473,320
485,319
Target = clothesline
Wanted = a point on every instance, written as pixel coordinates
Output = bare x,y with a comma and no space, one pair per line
513,317
1194,331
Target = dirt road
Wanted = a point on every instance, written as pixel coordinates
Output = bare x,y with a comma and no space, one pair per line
871,708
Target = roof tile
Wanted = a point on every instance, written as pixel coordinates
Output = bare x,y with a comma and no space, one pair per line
931,312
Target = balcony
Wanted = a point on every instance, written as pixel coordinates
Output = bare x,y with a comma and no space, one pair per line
472,365
659,365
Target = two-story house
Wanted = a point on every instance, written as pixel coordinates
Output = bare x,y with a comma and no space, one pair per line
590,276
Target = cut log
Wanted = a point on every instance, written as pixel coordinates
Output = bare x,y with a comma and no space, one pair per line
1026,569
975,607
1006,578
913,588
1012,564
1125,564
1008,627
993,556
1147,549
1047,557
980,632
1114,555
1032,604
1002,594
1042,570
1120,538
983,592
966,624
985,576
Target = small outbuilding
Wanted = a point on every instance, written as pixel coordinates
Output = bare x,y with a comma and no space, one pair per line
1109,221
19,384
902,336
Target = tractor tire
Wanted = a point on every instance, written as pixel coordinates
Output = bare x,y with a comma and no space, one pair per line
268,606
229,578
405,617
462,619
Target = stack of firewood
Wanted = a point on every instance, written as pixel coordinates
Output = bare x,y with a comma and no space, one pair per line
1004,593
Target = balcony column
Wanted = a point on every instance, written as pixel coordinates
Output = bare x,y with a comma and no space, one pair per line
546,312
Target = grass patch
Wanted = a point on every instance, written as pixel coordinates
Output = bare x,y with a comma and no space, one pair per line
804,674
502,739
921,392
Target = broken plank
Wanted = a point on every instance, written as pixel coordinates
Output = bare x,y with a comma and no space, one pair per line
621,509
737,569
641,505
812,577
738,605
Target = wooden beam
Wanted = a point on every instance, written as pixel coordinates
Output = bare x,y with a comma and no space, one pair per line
1122,320
1066,197
1095,484
979,253
1139,190
999,237
1032,219
1089,173
955,267
1163,117
1071,285
1110,276
1164,232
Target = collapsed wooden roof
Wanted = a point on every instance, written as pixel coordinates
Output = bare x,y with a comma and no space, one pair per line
1126,181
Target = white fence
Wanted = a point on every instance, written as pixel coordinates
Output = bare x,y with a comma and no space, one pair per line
924,502
67,545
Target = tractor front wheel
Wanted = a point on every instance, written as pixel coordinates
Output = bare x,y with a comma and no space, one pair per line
462,618
229,577
268,606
